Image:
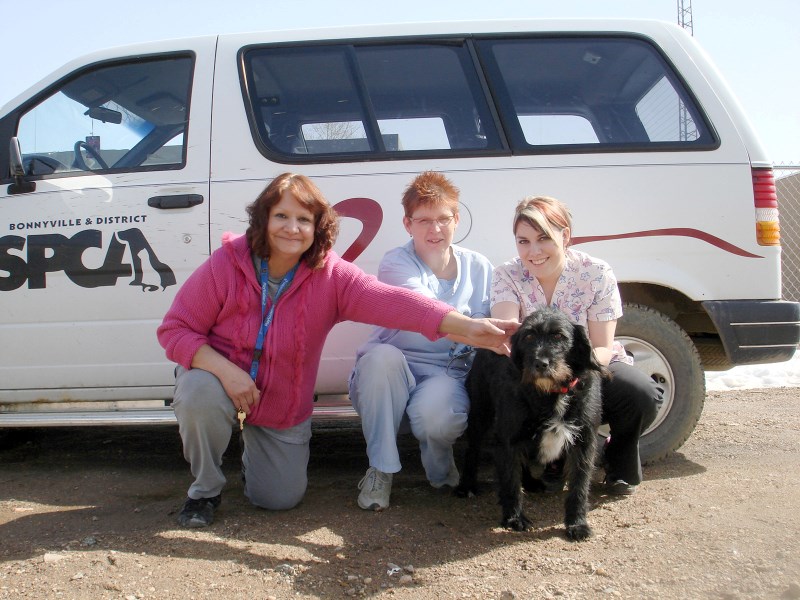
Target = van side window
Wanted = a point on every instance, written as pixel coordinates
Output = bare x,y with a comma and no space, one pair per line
602,92
665,116
124,116
388,99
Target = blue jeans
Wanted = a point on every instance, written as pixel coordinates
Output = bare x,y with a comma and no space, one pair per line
392,395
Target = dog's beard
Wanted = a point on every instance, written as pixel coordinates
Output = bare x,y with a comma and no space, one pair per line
545,383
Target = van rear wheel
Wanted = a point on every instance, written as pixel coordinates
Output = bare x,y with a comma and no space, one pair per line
665,353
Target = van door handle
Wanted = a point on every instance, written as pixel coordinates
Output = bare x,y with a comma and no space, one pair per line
177,201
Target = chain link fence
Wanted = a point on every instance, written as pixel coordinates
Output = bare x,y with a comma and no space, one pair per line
787,183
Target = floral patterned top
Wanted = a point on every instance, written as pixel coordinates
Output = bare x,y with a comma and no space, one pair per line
586,291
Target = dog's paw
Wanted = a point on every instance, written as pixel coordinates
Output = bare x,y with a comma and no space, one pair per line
579,532
517,522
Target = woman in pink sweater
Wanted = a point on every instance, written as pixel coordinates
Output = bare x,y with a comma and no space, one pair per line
247,330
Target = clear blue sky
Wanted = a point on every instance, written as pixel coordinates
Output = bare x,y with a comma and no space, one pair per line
752,42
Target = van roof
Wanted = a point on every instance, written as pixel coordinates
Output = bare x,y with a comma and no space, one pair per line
647,27
462,28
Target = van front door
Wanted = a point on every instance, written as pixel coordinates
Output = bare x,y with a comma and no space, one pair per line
91,259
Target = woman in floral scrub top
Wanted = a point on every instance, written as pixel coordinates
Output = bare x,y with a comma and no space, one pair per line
548,272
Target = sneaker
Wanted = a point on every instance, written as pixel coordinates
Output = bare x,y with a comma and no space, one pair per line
199,513
618,487
376,487
453,477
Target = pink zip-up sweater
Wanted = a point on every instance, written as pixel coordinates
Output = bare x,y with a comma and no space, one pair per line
220,305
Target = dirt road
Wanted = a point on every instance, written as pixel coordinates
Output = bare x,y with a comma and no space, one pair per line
91,514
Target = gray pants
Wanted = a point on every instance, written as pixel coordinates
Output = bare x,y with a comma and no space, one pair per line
389,393
275,461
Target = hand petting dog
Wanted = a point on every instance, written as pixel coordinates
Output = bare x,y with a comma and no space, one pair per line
492,334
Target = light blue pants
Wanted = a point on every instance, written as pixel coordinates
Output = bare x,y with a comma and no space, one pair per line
391,394
274,461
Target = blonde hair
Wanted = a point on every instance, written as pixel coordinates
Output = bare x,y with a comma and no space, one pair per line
545,214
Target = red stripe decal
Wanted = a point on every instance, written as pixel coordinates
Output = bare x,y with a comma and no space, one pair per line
370,214
677,231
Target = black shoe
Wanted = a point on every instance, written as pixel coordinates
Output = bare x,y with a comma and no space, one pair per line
199,513
612,486
618,487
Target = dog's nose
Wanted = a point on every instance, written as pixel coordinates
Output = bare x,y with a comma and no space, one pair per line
541,364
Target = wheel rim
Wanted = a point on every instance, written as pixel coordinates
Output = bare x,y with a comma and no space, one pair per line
648,359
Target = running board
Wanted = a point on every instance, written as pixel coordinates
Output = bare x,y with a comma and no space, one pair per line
84,418
136,417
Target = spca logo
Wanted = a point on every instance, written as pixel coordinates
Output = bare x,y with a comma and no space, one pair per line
29,259
53,252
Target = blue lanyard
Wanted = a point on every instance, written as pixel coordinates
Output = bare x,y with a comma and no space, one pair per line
266,321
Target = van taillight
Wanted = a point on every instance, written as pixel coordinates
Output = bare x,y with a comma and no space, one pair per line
768,229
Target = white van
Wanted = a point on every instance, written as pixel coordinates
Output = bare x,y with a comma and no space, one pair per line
122,170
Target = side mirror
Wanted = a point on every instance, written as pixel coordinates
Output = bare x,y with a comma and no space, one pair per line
20,186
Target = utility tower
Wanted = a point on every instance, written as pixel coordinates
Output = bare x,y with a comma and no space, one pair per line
686,128
685,15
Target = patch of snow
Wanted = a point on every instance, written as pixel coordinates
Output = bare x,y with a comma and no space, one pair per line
783,374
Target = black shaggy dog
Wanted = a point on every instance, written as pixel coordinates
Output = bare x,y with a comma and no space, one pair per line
542,403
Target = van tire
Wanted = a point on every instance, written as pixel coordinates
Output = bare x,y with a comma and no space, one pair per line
663,350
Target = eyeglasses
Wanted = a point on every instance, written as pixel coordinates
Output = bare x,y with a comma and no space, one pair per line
441,221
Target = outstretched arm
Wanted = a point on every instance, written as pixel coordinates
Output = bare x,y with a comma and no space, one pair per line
493,334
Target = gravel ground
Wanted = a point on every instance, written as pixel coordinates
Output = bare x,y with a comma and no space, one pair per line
91,514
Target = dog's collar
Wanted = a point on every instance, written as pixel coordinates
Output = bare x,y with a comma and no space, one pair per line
565,389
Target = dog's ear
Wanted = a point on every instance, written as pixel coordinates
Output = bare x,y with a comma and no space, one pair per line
581,357
516,352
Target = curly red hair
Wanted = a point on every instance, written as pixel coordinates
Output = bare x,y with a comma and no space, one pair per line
326,221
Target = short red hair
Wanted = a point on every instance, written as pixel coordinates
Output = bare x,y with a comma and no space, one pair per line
430,189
